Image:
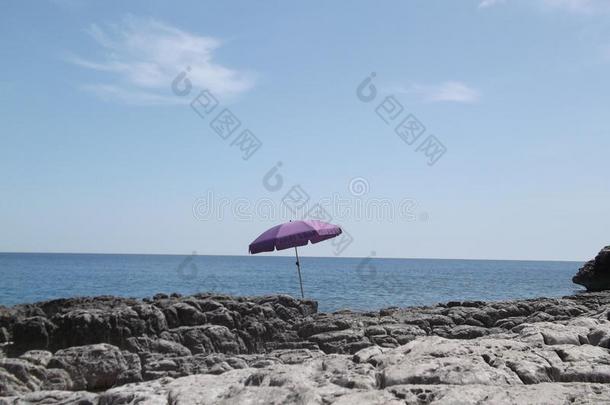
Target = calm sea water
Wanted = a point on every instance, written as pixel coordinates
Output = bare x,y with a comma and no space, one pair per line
336,283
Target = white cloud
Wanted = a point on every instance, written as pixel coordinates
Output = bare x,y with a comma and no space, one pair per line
143,56
451,91
489,3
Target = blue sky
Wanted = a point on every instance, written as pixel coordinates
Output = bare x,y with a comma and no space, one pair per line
99,155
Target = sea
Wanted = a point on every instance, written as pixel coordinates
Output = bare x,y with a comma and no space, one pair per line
336,283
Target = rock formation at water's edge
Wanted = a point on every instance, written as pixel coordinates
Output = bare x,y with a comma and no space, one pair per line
595,274
212,348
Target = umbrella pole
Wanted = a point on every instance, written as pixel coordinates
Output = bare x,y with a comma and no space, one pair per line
299,270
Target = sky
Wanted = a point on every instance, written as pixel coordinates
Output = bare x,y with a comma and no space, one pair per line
113,139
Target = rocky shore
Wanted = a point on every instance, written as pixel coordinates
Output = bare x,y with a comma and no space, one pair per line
216,349
206,349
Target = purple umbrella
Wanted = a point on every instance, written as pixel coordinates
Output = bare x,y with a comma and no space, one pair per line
293,234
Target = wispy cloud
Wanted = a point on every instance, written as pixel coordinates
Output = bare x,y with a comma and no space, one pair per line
450,91
489,3
142,57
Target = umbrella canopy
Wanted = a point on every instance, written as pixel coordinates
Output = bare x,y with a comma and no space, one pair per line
293,234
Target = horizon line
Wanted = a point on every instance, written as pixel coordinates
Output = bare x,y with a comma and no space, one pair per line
315,257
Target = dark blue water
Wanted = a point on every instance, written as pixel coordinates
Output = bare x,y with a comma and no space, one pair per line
335,283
